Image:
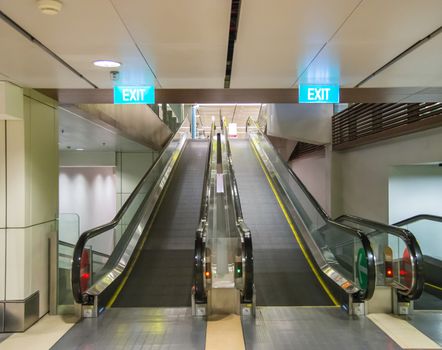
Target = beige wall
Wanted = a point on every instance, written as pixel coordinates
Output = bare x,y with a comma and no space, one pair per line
29,153
314,171
360,176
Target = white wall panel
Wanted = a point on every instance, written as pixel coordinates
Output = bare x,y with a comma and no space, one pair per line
2,174
43,162
37,270
2,262
134,166
89,192
16,249
16,173
415,190
85,159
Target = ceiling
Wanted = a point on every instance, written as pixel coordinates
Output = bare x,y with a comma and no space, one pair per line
76,132
183,44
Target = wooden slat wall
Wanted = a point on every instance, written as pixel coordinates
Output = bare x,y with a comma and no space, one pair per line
364,123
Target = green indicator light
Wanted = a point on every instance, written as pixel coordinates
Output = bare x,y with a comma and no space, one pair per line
238,270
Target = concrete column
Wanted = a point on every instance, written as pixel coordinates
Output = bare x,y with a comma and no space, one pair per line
28,202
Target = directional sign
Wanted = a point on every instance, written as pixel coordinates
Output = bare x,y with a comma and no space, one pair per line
362,269
318,93
134,95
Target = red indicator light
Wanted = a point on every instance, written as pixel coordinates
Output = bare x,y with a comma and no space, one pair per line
207,274
389,272
85,276
402,272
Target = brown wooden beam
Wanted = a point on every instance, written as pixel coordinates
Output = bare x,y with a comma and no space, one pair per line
189,96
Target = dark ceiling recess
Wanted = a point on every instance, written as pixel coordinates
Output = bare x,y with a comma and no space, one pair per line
233,30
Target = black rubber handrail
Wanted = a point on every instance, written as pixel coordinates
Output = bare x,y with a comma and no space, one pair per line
412,245
200,294
417,218
369,255
87,235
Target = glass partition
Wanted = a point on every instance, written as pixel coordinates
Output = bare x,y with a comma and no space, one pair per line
428,231
397,258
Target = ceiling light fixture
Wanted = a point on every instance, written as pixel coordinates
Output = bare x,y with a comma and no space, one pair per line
49,7
79,149
106,64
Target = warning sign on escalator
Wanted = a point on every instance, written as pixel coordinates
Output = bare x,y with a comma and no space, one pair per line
362,269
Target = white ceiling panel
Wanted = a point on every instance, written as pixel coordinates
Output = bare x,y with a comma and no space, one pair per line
27,65
422,67
184,41
84,31
376,32
277,40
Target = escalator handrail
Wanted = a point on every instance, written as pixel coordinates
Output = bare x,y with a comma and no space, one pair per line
199,256
411,244
419,217
246,235
292,173
87,235
369,255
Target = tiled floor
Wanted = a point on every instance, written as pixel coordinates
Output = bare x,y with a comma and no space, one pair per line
312,328
429,323
138,328
40,336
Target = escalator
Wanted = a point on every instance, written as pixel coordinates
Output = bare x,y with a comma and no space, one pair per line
278,258
148,246
162,274
428,231
301,256
312,259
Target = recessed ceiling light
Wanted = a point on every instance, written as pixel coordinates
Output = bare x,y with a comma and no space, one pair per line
79,149
107,64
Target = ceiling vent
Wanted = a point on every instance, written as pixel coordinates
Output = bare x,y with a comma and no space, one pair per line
49,7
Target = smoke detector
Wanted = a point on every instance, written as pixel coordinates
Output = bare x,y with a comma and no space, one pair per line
49,7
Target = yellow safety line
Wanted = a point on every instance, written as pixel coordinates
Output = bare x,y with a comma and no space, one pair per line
295,233
125,278
433,286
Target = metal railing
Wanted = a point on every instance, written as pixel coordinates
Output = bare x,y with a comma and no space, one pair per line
417,218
